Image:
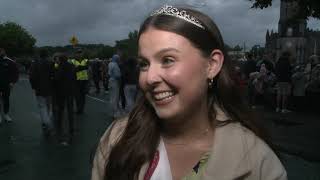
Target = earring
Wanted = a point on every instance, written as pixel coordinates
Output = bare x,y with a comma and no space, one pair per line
210,83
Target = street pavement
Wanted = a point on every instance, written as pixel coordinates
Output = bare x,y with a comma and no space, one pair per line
295,136
37,159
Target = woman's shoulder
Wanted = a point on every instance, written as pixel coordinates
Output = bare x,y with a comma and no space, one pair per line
233,133
113,132
264,161
250,137
249,140
109,138
253,153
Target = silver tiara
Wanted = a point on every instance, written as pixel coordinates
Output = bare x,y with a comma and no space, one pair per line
172,11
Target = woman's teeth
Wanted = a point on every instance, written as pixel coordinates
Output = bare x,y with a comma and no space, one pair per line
163,95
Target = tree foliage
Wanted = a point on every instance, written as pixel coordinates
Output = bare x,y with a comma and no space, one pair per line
129,47
237,48
16,40
307,8
89,50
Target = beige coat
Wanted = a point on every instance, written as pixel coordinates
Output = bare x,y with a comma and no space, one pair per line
236,154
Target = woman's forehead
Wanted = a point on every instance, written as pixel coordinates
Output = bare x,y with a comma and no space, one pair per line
153,34
154,40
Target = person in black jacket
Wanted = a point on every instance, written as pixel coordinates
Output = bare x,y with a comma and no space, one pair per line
65,82
250,67
122,97
130,77
96,74
41,80
283,72
8,76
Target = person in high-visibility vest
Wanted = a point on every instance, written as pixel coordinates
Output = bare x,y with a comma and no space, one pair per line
81,66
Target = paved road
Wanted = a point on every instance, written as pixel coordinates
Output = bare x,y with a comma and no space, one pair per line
38,159
296,138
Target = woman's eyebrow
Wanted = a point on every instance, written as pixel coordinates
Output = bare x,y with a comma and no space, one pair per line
159,53
140,57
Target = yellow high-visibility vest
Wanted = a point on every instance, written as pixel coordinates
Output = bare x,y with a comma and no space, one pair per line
81,75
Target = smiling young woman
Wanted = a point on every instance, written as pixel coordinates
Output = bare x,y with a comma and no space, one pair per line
190,122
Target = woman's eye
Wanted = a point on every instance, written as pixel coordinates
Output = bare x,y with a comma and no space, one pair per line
167,61
143,65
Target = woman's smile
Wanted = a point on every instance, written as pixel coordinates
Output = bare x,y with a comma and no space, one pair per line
163,98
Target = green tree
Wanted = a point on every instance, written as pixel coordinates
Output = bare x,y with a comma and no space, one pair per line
237,48
129,47
106,52
16,40
307,8
227,47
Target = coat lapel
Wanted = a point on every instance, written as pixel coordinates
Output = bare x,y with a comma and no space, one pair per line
229,158
143,171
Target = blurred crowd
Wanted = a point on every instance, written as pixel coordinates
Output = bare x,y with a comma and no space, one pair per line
282,84
63,80
61,83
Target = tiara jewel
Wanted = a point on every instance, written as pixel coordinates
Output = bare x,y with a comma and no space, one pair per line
172,11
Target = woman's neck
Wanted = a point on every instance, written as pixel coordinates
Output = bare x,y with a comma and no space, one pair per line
189,128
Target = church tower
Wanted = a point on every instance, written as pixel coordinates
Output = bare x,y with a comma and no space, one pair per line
291,31
293,35
289,23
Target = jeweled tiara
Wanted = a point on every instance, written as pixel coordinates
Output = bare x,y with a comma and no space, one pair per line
172,11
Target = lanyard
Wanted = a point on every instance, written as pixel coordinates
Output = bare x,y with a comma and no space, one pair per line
152,166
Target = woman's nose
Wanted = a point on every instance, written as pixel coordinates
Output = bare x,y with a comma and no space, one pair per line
154,75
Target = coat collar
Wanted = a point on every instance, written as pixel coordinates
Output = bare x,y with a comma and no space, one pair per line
220,114
229,158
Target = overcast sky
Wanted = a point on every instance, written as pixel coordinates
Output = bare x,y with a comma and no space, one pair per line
53,22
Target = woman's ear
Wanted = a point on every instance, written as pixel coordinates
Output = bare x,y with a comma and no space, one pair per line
215,63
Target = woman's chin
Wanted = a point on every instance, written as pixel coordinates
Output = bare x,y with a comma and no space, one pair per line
168,116
164,114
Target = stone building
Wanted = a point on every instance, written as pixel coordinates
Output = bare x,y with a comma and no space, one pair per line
293,35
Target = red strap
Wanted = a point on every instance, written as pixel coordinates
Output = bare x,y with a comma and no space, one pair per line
152,166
